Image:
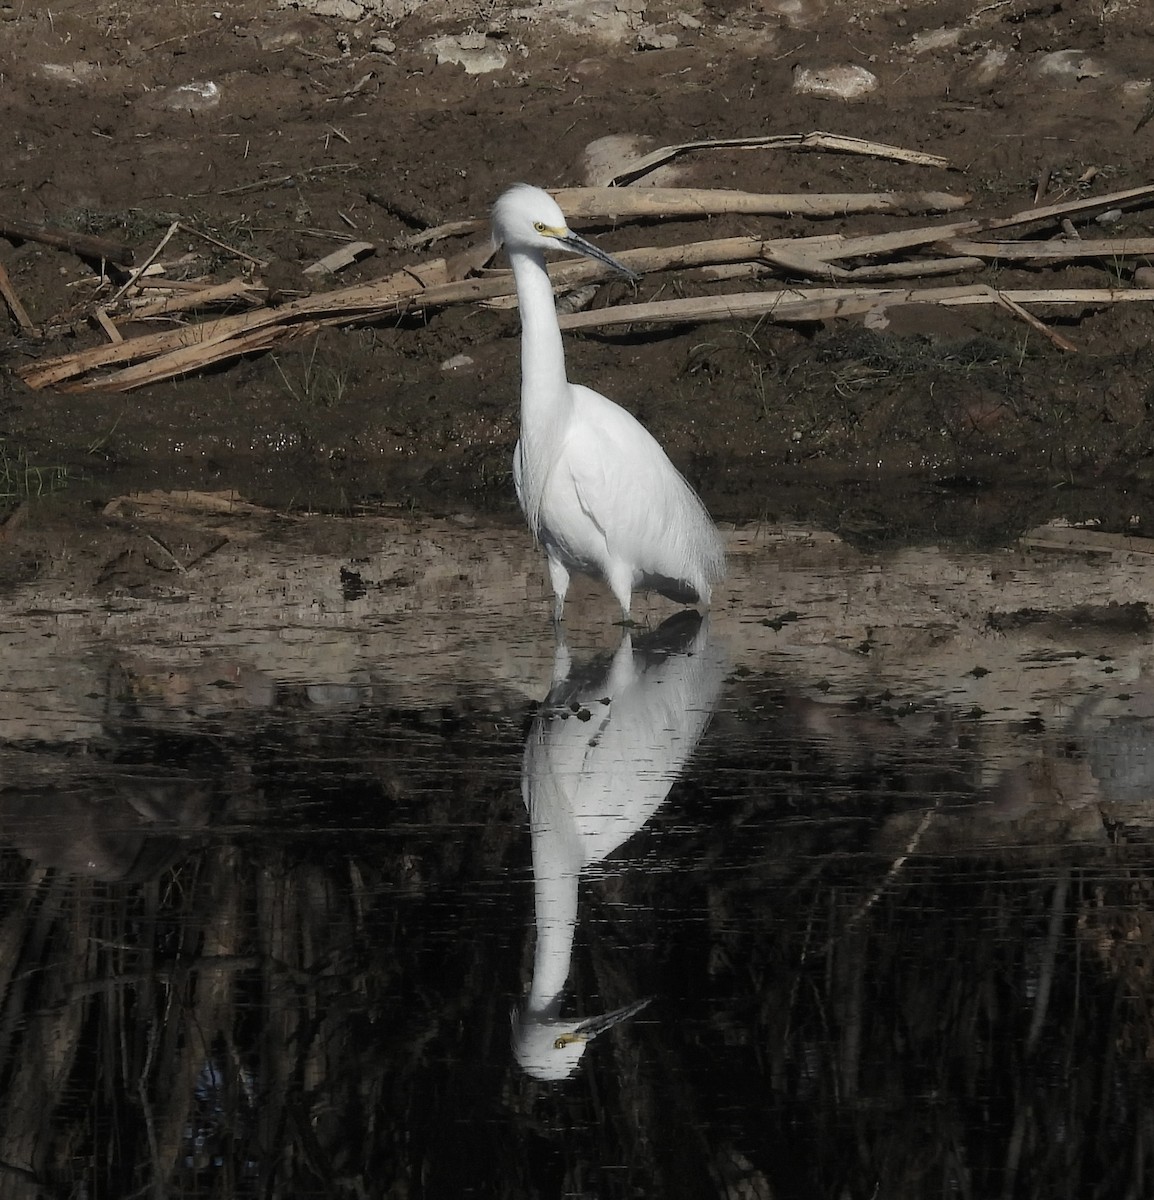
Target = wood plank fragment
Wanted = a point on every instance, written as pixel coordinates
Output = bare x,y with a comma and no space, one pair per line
200,297
105,323
342,257
12,300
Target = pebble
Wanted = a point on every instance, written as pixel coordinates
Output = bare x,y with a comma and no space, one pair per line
945,38
474,51
199,96
847,82
648,38
1062,64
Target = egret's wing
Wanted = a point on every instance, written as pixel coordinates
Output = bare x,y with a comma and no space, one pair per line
626,485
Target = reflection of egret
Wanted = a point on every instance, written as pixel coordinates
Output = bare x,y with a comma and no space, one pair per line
598,491
601,756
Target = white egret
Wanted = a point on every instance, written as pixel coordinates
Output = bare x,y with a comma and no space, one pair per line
600,758
599,493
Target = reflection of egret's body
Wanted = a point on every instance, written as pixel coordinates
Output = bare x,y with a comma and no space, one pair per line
598,491
590,779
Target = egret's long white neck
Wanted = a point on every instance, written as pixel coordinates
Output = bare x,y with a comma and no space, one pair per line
543,382
546,400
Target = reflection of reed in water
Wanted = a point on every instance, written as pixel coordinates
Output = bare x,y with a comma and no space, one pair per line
604,749
203,1012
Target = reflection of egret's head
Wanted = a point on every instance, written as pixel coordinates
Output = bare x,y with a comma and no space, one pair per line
551,1048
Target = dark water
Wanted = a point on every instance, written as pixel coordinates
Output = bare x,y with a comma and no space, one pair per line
291,938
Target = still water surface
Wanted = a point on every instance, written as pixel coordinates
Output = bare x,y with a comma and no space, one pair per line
327,872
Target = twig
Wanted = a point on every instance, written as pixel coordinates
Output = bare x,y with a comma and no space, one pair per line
426,237
1014,307
1131,196
147,262
161,546
279,180
896,866
258,262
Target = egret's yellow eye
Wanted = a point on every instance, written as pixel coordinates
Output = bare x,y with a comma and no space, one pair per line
539,226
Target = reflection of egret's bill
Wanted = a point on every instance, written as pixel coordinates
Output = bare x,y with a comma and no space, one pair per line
601,756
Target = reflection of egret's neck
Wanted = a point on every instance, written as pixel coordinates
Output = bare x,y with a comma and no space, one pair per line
557,863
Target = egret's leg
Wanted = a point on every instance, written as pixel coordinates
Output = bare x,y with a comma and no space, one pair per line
619,576
559,577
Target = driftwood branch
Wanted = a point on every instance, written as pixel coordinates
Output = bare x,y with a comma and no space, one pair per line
817,140
82,244
620,203
824,304
850,266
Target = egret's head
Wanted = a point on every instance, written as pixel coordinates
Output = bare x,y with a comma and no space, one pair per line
527,218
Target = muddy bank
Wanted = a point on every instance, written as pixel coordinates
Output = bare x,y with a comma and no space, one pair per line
951,423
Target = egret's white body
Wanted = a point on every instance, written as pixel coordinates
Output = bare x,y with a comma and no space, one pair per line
589,785
599,493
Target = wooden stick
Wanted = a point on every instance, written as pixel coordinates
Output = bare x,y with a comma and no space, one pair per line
147,262
426,237
823,304
83,244
912,270
1058,250
705,202
784,141
1131,196
1013,306
258,262
174,285
18,311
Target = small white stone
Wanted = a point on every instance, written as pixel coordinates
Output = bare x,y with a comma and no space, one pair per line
991,64
474,51
73,74
382,45
846,82
199,96
945,38
457,363
648,38
1063,64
